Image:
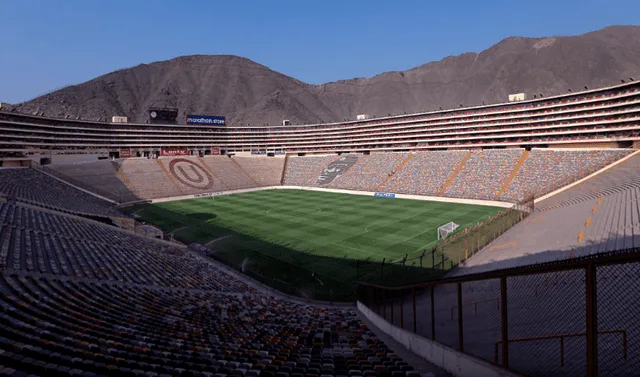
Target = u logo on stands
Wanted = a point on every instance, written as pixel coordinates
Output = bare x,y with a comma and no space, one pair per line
190,174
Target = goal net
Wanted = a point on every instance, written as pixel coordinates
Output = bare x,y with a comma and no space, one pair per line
446,229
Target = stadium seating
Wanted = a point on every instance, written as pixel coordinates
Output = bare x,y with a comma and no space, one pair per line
369,172
100,174
304,171
148,178
233,176
483,174
82,298
32,186
545,170
266,171
425,173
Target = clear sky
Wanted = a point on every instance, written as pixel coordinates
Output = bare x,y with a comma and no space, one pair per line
48,44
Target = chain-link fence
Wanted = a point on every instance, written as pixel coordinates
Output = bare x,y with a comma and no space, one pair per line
462,245
569,318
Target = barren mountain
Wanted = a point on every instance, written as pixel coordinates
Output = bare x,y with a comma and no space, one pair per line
249,93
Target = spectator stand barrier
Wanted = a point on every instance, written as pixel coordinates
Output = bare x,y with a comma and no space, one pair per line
585,324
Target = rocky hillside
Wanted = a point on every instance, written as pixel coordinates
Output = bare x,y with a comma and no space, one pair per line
249,93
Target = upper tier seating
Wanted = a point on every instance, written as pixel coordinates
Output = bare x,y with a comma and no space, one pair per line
425,173
369,172
32,186
545,170
267,171
483,174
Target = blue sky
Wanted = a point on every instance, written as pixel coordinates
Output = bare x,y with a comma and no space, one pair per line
48,44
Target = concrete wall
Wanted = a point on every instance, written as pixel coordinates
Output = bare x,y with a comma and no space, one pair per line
454,362
365,193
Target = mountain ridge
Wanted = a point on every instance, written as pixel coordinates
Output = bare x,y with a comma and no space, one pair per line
247,92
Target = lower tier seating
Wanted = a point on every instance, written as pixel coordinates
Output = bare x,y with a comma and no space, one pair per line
33,186
79,298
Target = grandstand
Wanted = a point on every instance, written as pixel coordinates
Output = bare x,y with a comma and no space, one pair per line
546,191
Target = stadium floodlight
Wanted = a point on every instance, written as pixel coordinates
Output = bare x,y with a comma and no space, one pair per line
446,229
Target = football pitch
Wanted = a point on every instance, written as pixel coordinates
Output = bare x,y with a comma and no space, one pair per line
312,239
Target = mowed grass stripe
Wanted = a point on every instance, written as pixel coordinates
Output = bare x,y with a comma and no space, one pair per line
331,224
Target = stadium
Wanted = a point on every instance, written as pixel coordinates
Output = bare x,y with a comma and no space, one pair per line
482,239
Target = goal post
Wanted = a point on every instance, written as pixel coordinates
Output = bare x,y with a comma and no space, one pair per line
446,229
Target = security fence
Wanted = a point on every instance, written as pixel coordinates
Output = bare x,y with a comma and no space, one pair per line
462,245
570,318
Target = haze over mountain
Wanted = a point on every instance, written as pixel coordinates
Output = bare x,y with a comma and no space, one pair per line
249,93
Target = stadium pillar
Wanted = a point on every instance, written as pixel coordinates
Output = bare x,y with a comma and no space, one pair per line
402,309
433,314
460,337
503,317
413,293
391,304
592,320
384,305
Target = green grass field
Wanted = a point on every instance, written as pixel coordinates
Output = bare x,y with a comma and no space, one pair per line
283,236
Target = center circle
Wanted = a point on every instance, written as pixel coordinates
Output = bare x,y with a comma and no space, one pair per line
190,174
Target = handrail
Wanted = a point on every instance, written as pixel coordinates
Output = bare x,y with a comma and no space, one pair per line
562,337
615,257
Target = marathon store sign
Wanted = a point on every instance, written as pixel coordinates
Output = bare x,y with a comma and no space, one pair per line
205,120
125,153
172,152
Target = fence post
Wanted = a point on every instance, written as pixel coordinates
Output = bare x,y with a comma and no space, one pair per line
460,337
402,309
384,305
415,327
391,304
503,317
433,313
592,320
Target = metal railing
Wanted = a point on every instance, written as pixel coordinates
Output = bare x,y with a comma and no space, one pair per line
501,316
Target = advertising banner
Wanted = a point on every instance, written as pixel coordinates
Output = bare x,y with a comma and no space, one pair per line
205,120
384,195
125,153
171,152
258,152
215,151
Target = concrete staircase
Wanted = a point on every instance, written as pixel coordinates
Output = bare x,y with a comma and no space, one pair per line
397,169
245,172
213,174
513,174
455,173
123,177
